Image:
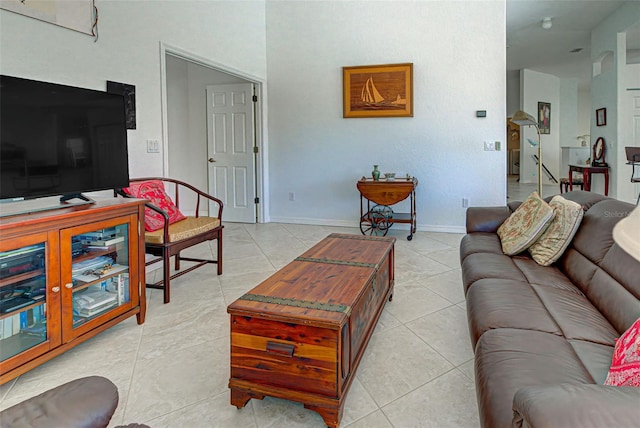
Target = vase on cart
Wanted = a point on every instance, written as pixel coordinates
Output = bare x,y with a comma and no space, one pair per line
375,173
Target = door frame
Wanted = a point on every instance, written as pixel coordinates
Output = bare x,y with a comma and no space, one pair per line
261,166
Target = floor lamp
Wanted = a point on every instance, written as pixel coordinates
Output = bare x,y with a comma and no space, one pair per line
521,118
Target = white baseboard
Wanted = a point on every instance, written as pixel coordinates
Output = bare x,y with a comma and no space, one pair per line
349,223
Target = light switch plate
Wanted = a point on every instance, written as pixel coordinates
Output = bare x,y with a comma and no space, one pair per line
153,146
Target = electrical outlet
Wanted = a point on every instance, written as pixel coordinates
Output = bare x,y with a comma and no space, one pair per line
465,202
153,146
489,146
292,196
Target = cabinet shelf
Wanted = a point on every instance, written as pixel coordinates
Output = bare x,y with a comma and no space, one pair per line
15,344
22,309
21,277
83,281
68,307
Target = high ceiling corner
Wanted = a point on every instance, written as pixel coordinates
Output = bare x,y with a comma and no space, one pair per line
531,46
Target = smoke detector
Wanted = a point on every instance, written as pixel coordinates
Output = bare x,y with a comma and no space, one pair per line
546,23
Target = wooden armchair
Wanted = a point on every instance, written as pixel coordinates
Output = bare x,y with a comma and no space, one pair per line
175,236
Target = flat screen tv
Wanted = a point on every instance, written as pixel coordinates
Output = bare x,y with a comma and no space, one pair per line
60,140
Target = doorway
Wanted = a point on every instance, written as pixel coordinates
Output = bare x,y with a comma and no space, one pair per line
186,129
231,149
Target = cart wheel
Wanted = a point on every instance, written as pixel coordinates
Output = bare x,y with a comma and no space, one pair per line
374,223
409,238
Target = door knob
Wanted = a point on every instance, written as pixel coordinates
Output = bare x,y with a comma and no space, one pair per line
211,160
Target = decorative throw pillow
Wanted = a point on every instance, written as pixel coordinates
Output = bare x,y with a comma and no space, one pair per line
525,225
153,190
552,243
625,364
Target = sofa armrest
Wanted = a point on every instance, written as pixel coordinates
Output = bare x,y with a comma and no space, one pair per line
486,219
85,402
586,405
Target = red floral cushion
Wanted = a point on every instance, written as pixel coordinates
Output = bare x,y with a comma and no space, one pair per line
625,364
153,190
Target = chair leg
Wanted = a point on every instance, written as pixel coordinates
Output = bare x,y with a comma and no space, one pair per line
167,276
177,261
561,184
220,253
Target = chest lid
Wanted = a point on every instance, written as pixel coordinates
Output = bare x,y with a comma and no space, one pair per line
321,285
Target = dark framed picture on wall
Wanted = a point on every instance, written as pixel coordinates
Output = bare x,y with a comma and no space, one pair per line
129,93
601,117
544,117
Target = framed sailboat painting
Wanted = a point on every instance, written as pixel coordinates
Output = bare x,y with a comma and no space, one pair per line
384,90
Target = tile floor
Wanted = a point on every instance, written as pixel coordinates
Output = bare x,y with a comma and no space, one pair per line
519,191
173,370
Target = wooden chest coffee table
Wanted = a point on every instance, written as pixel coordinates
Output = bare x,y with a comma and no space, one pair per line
300,334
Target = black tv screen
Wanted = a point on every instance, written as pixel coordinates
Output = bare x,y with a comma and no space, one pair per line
60,140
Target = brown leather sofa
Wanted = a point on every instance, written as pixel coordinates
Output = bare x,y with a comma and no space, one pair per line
88,402
544,336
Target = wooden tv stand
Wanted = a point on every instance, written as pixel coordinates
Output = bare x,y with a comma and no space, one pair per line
65,276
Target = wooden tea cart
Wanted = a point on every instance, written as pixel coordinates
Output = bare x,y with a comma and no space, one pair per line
379,196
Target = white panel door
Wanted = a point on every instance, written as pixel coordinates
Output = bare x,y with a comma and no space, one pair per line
230,141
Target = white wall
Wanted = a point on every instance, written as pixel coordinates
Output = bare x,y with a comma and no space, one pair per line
584,112
540,87
315,153
127,50
628,102
319,156
513,92
568,117
608,90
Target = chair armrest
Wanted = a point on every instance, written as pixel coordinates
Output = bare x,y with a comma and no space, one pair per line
165,219
486,219
586,405
205,195
199,194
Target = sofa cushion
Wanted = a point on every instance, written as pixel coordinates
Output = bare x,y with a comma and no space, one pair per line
576,316
625,364
595,357
190,227
509,359
586,199
488,265
502,303
525,225
595,235
555,240
544,275
480,242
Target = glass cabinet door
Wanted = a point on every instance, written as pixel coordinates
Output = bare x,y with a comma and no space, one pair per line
99,272
23,299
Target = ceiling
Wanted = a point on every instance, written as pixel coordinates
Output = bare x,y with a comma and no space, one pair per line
548,51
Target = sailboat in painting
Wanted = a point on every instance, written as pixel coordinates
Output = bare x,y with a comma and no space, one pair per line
372,98
370,94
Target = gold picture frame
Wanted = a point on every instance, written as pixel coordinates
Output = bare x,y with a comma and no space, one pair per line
384,90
